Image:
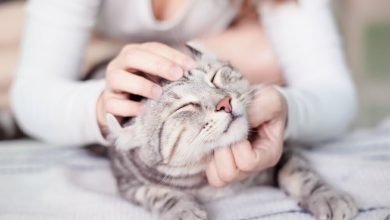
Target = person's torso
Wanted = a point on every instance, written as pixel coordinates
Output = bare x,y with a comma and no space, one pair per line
134,21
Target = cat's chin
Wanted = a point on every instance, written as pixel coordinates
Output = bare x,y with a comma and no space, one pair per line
238,131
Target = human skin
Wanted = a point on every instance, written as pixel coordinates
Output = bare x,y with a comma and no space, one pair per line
246,46
152,58
11,19
268,115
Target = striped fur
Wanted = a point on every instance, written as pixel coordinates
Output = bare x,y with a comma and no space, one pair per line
160,156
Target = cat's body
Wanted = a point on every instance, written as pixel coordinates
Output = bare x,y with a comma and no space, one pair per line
160,156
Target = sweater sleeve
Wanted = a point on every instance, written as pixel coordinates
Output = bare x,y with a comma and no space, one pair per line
320,94
48,100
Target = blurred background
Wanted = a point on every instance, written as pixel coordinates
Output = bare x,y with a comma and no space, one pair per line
365,29
364,26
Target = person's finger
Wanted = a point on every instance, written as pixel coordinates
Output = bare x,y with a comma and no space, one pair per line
269,145
164,50
225,164
266,105
212,175
123,108
245,156
271,133
277,128
122,81
138,59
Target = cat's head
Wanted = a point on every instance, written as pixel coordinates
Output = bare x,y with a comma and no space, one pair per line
203,110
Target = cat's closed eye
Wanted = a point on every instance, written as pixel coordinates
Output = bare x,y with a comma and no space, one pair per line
223,76
188,105
214,75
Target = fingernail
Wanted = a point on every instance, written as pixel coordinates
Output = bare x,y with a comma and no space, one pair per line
189,63
156,91
176,72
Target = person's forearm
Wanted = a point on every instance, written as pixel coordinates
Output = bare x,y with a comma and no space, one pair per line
58,111
320,94
48,101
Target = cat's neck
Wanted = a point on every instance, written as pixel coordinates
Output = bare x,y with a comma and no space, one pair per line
187,177
187,170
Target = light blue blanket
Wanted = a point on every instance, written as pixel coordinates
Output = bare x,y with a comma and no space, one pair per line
39,182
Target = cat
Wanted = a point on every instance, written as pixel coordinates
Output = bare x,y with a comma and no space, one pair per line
159,157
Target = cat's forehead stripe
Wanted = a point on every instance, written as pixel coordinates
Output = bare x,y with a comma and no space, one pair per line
160,131
199,68
173,95
174,147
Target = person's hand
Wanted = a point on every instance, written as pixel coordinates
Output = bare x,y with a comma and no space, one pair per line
150,58
268,115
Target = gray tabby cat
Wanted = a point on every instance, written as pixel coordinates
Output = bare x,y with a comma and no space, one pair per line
160,156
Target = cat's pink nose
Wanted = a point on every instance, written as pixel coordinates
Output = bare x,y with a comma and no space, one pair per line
224,104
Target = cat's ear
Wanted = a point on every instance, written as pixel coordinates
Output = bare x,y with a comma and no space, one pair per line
195,53
123,138
200,53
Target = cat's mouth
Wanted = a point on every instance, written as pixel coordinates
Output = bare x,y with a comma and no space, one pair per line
233,118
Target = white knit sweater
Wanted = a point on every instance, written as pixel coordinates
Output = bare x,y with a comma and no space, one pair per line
51,105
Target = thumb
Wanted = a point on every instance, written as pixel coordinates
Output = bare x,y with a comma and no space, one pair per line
265,106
